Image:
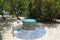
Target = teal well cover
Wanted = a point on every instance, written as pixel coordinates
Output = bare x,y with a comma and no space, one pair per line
29,20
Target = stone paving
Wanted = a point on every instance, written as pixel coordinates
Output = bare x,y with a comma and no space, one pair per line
51,34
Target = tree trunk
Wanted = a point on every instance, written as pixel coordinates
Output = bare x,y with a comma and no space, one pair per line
3,17
17,15
14,10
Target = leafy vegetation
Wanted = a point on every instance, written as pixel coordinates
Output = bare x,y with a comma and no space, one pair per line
44,10
41,10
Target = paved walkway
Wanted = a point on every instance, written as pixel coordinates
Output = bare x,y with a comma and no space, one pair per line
52,33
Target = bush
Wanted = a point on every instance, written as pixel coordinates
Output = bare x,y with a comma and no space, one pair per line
44,11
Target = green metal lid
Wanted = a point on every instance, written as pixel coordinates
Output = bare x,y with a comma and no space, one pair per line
29,20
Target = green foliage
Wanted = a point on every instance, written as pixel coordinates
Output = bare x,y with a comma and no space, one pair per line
43,10
1,6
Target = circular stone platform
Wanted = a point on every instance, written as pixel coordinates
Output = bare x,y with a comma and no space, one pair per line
30,34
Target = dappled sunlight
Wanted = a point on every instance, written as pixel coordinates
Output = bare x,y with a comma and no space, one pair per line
49,25
5,25
20,33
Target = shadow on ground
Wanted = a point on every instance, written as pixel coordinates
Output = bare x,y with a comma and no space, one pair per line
28,34
0,36
5,25
49,25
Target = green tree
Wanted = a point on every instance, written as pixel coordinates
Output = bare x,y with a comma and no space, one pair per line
17,7
2,8
43,10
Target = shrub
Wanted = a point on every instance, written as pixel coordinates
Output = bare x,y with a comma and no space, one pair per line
44,11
